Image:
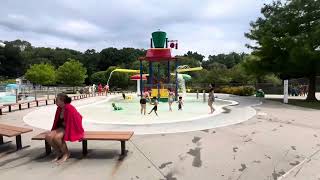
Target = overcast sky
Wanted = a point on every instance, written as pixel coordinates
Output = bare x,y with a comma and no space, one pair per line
205,26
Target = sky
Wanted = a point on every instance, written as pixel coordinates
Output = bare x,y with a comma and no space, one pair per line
208,26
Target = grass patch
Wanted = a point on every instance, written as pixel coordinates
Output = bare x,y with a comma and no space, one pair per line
300,103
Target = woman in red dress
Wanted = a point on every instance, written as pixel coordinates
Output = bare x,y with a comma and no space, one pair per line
67,126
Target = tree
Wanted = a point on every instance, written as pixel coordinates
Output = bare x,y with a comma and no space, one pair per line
11,62
239,75
287,40
108,57
99,77
229,60
90,61
43,74
72,73
22,45
194,55
114,57
118,79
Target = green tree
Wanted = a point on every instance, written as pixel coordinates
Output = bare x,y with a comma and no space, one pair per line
194,55
11,62
239,75
72,73
118,79
99,77
287,40
90,61
229,60
43,74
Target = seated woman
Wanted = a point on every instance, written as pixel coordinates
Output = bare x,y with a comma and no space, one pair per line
67,126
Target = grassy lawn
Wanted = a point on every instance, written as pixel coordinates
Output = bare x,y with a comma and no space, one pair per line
301,103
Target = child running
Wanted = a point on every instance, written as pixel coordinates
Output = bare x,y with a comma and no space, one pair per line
180,103
155,107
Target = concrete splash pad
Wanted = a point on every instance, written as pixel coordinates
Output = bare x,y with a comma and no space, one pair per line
99,116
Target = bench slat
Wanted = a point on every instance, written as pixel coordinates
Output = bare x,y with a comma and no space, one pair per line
8,133
40,136
15,128
108,132
107,137
96,135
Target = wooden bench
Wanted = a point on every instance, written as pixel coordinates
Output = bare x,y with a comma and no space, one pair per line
94,135
10,131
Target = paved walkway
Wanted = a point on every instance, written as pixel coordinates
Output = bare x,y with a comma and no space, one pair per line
275,141
277,96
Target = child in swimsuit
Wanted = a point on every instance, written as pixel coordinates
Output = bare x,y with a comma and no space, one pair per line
180,103
170,100
155,107
116,108
143,104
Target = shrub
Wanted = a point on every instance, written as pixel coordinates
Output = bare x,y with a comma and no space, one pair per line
241,90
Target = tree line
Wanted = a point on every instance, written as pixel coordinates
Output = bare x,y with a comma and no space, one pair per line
51,66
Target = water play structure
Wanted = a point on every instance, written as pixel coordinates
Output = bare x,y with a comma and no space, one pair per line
160,55
137,78
123,71
157,83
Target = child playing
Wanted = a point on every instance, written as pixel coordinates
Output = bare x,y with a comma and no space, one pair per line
170,100
180,103
115,108
155,107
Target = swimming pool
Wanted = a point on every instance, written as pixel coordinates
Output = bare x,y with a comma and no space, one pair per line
11,99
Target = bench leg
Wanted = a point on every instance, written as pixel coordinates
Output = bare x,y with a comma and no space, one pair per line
84,147
19,106
48,148
18,142
9,108
1,139
28,105
37,103
0,111
123,148
46,102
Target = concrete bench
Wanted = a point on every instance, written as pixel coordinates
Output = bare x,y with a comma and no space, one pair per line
42,100
24,102
21,103
94,135
10,131
14,104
